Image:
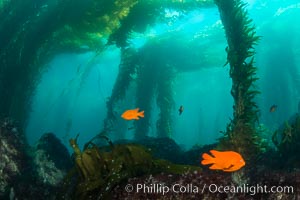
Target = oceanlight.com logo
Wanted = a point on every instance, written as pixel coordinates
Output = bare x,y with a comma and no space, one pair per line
252,190
211,188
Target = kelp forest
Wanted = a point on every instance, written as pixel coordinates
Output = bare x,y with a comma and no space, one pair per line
251,150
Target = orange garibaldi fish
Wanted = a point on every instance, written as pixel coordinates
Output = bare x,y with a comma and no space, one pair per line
228,161
132,114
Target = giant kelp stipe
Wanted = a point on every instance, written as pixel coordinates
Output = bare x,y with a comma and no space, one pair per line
241,37
149,99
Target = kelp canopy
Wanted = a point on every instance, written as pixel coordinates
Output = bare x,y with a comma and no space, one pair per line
43,29
31,33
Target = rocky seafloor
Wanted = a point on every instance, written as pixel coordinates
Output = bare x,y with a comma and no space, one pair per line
30,172
39,172
210,186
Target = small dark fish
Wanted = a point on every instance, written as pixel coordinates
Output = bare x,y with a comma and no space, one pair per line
180,110
273,108
130,128
227,51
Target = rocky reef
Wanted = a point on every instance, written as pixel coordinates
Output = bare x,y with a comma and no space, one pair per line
128,170
13,159
52,159
210,186
100,170
30,172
